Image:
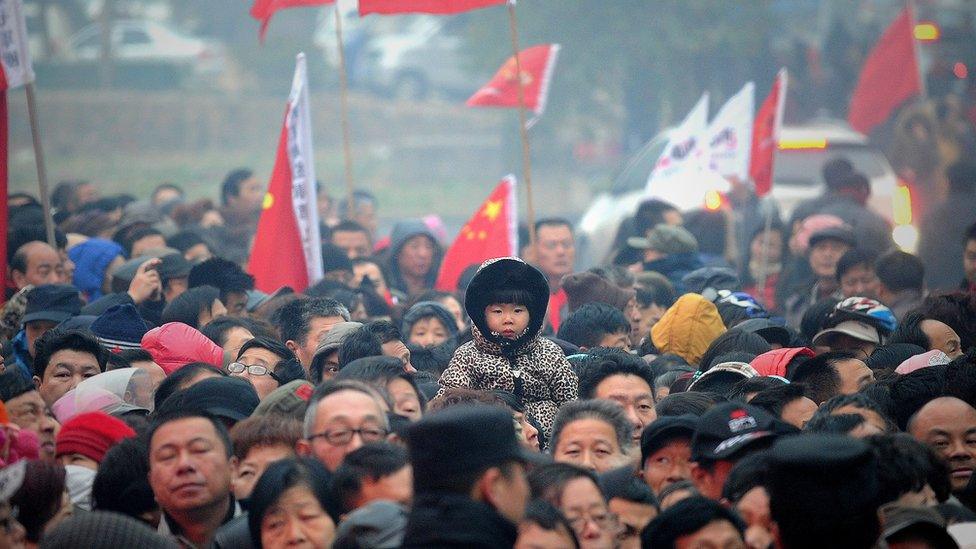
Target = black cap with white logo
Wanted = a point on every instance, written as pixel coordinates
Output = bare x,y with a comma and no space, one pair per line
729,428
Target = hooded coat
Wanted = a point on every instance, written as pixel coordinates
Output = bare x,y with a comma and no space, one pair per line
529,366
428,309
688,328
402,232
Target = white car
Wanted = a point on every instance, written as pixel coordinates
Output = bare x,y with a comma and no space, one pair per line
802,152
149,41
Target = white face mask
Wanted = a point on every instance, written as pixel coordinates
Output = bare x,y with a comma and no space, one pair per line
79,481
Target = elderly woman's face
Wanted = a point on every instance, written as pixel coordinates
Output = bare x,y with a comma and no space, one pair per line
297,519
591,444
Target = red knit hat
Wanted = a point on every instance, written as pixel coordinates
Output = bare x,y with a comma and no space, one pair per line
91,435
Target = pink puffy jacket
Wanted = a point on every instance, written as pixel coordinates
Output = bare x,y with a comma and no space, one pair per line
174,345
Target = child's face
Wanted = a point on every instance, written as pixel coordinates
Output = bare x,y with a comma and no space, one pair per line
428,332
507,319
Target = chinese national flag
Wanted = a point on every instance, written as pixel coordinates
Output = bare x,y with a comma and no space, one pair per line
765,136
491,232
890,76
287,250
441,7
262,10
537,63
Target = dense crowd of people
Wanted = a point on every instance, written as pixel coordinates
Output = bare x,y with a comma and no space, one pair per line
720,382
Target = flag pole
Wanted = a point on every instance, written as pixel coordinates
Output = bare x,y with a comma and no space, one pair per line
344,101
913,20
39,161
523,128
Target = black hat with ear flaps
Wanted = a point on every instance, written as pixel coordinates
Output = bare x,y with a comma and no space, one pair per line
507,273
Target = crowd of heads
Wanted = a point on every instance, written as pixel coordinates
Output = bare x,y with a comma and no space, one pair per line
715,384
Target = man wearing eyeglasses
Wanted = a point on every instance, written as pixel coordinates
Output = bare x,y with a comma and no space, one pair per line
341,416
266,364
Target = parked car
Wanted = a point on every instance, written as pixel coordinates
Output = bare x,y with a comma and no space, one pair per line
802,152
144,41
407,57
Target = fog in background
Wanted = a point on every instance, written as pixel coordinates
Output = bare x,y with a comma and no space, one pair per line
186,92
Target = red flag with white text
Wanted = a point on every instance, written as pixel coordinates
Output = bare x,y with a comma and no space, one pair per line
537,63
765,136
15,70
491,232
890,75
262,10
438,7
287,250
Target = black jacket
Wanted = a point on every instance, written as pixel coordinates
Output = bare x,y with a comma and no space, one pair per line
453,520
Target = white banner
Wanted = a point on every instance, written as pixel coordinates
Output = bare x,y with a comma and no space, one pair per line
683,144
14,54
728,139
301,159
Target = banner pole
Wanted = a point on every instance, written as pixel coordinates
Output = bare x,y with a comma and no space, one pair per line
39,161
523,129
913,18
344,101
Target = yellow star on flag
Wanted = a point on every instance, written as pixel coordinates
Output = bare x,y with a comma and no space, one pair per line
492,209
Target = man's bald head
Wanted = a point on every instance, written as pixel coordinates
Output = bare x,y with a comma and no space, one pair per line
942,337
941,407
35,263
948,426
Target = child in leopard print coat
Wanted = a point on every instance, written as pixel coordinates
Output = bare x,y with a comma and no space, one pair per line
507,302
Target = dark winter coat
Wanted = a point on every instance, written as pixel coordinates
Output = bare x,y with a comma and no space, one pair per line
402,232
453,520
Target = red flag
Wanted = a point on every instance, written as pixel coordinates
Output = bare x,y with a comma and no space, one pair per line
287,250
537,63
442,7
890,76
262,10
16,70
491,232
765,136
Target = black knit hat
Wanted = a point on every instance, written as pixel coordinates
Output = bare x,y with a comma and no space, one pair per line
103,530
120,328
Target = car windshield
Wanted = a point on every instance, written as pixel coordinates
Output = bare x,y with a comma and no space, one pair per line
634,175
801,168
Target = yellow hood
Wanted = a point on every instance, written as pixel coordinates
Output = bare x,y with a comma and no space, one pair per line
688,328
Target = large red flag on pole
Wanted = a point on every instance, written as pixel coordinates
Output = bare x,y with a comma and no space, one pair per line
537,63
262,10
15,70
287,250
491,232
890,75
765,136
440,7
